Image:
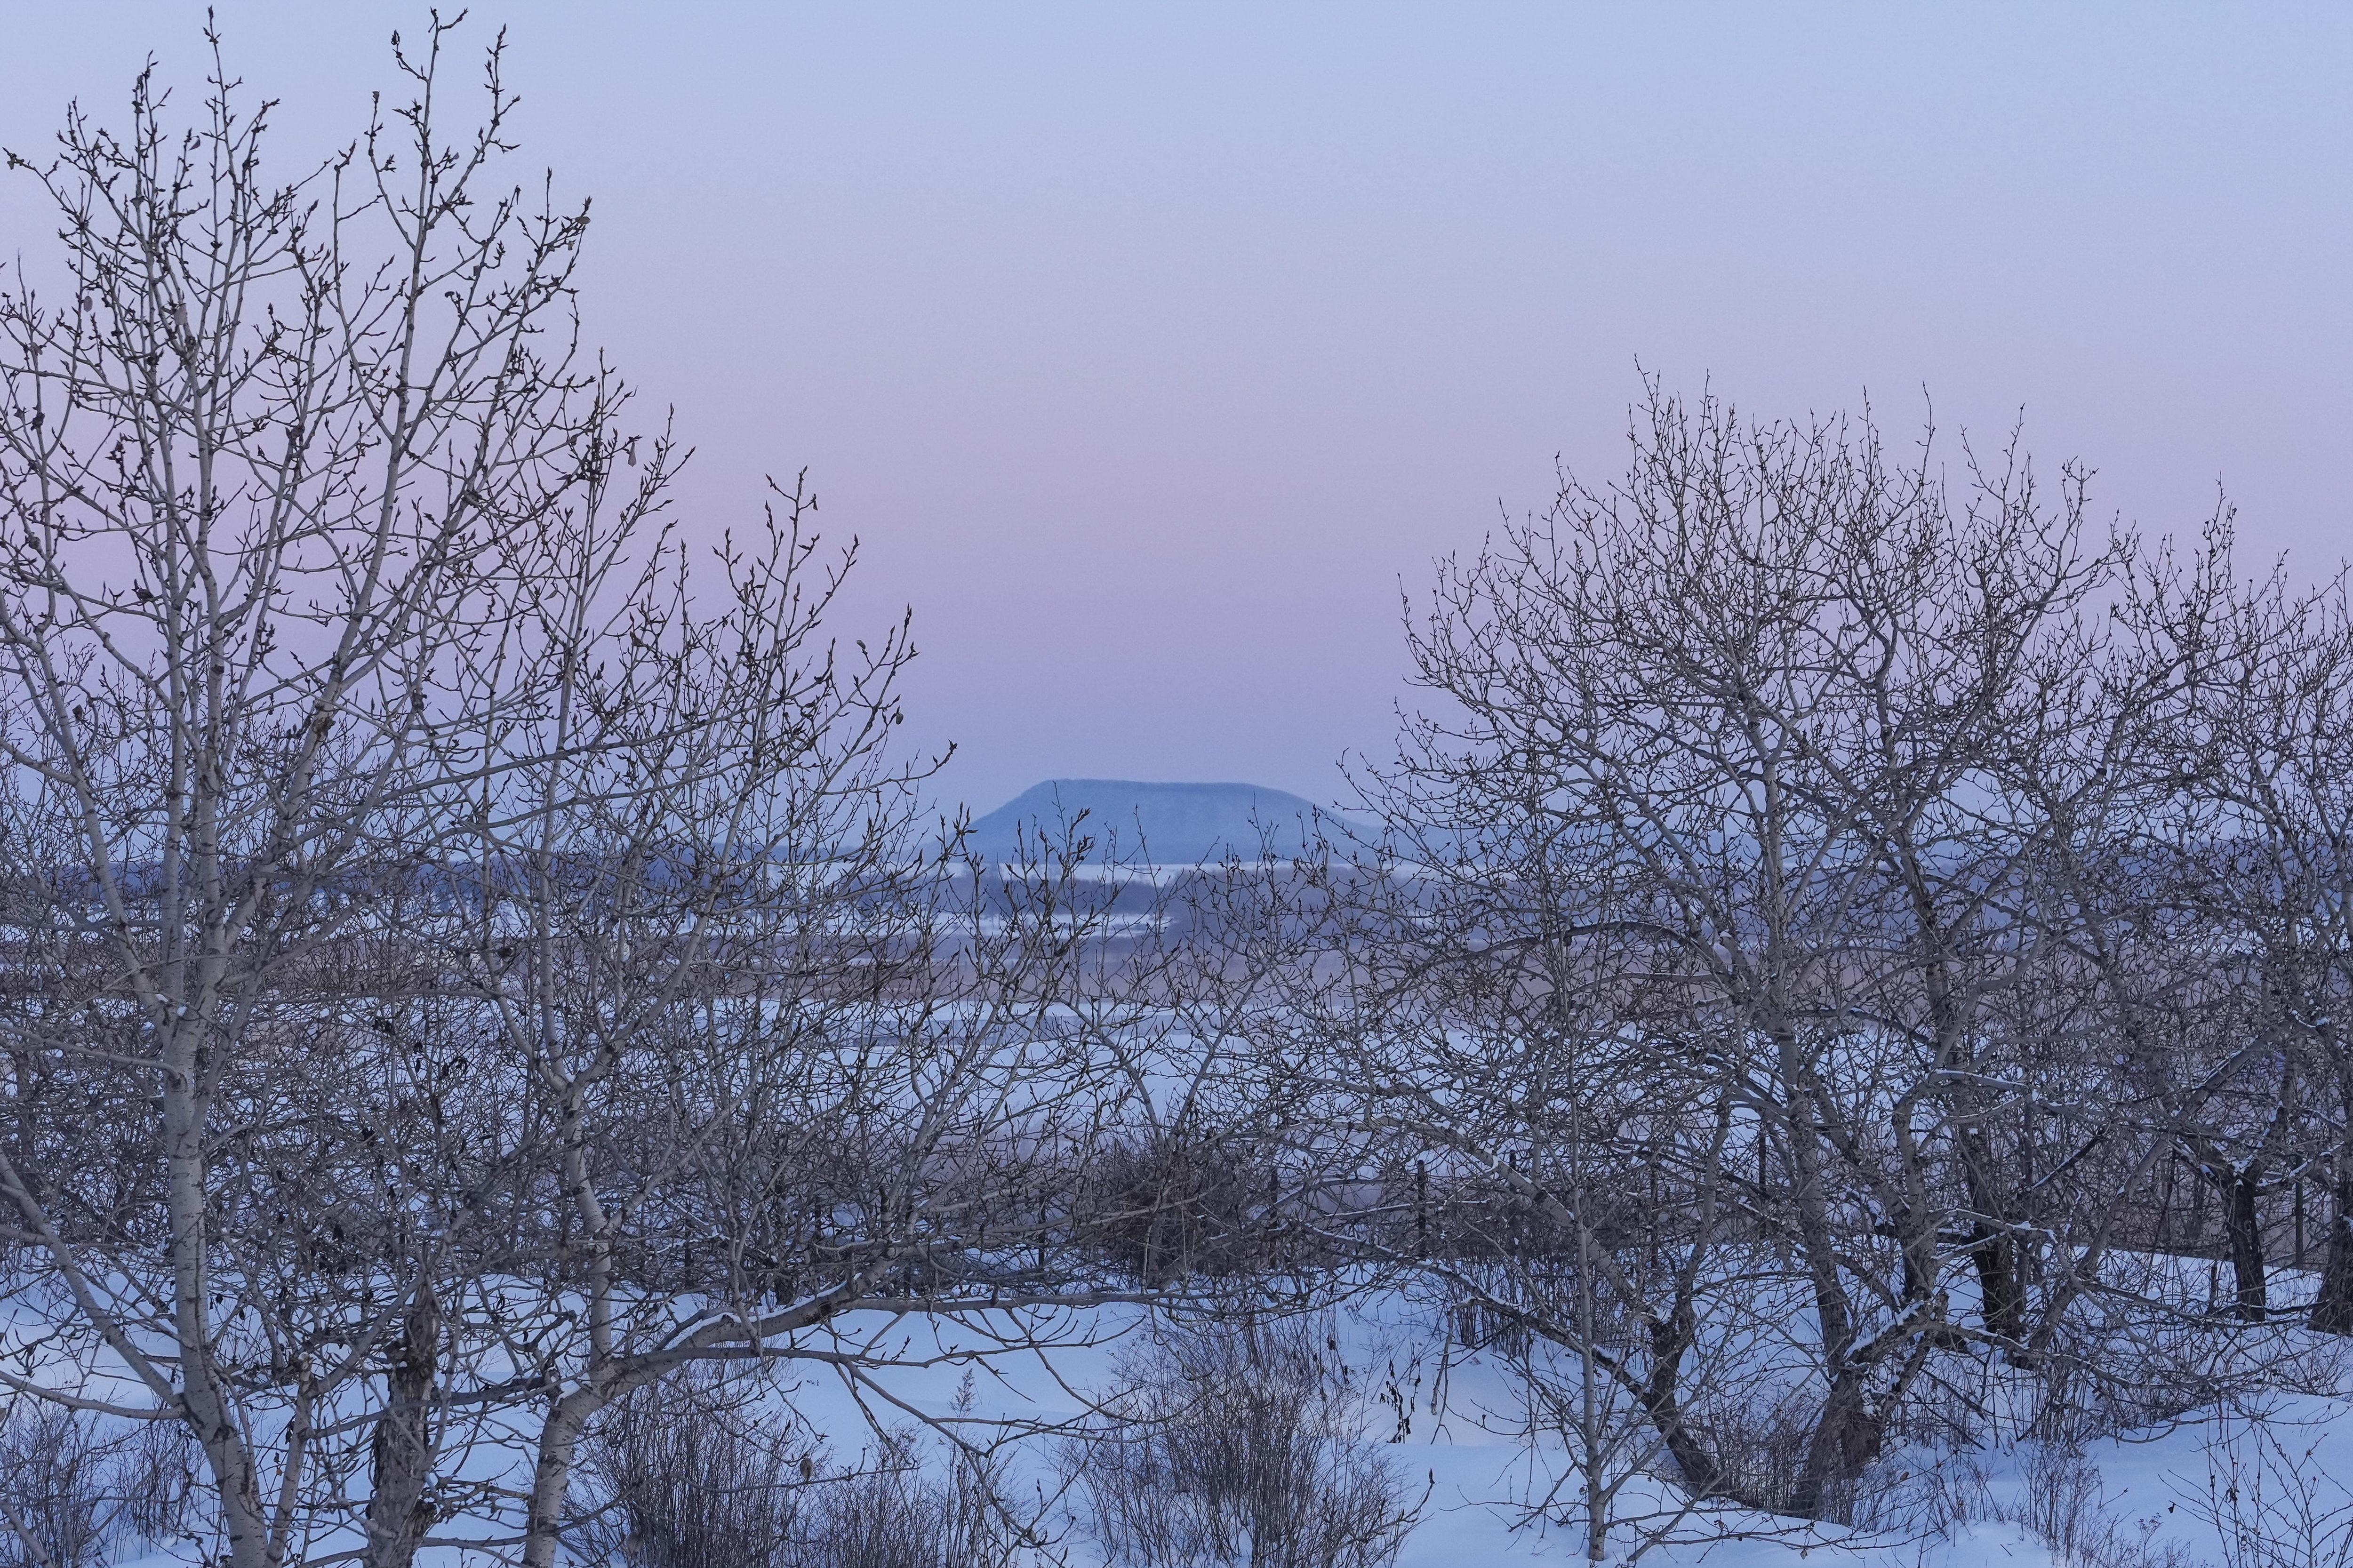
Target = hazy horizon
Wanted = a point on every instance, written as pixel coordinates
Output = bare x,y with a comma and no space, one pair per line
1150,351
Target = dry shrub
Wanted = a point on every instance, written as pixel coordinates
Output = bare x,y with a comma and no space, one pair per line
1924,1493
2060,1501
1475,1323
2269,1498
1240,1445
160,1468
894,1518
1759,1439
73,1496
702,1472
689,1475
1164,1205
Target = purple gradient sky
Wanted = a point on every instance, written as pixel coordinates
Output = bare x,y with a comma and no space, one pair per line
1148,349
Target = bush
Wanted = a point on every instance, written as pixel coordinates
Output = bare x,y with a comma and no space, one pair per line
1233,1446
2270,1498
1167,1205
688,1479
892,1518
74,1497
694,1473
1759,1439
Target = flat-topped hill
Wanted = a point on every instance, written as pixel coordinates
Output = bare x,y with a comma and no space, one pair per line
1167,824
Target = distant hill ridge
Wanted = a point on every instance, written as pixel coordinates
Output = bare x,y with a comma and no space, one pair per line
1177,824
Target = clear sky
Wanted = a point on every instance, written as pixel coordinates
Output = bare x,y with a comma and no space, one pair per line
1151,348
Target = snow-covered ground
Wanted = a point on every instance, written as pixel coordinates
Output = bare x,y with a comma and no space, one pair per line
2152,1496
1447,1421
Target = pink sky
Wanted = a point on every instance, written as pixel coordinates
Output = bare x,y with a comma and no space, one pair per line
1149,349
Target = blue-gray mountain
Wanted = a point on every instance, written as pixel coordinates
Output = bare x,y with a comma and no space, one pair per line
1169,824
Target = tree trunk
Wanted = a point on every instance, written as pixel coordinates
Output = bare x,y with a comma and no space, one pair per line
551,1479
2002,1293
2242,1227
1846,1438
1662,1404
1845,1441
402,1454
1993,1245
209,1410
2332,1310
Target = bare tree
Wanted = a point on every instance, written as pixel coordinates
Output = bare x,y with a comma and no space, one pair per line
2263,745
1803,738
288,471
466,966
